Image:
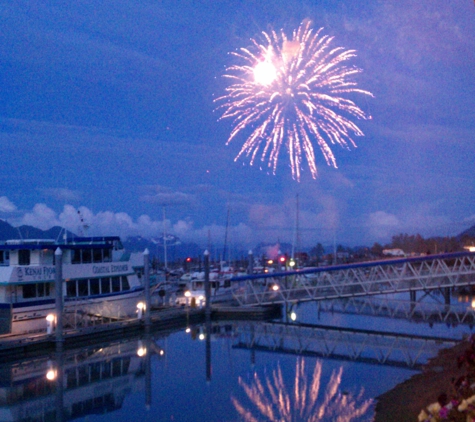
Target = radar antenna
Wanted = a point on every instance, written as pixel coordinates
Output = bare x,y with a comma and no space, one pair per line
83,227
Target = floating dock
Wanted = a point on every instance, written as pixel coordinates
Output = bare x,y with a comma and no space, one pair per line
160,319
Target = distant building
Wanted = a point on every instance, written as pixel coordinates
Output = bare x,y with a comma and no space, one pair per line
393,252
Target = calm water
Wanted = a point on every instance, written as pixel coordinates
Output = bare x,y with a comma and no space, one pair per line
243,371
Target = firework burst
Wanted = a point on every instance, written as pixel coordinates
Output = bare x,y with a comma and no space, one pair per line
305,401
292,92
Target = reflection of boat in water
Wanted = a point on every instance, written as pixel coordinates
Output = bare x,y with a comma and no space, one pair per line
94,380
100,279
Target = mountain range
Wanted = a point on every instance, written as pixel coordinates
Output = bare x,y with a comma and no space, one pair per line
175,252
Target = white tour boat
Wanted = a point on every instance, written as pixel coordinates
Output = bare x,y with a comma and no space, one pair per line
100,279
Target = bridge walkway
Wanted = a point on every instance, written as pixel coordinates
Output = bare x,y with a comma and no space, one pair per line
424,273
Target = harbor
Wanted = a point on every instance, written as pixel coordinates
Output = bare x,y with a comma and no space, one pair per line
81,314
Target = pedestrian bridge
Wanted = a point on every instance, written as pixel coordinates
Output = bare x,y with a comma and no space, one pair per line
423,273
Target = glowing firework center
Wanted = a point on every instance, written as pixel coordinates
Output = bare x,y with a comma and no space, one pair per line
265,73
292,92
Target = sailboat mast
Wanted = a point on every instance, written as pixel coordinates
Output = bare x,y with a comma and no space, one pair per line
226,237
164,241
295,243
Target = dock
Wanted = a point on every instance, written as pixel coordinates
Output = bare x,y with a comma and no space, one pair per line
28,345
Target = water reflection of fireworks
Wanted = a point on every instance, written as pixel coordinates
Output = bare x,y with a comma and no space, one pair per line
273,401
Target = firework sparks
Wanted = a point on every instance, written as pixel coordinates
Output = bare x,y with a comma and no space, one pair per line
273,401
292,92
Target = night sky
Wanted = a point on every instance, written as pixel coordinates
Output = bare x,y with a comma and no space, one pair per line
107,107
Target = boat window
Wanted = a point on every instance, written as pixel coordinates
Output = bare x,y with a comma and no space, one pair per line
125,283
115,284
71,288
95,371
29,291
94,286
106,372
32,290
97,255
76,259
83,376
227,283
105,285
86,256
107,255
2,259
82,288
71,379
23,257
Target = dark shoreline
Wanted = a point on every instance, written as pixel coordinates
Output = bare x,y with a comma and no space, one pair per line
405,401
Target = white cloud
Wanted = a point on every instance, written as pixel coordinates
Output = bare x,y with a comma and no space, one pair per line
171,198
382,225
212,235
41,217
470,219
6,205
62,194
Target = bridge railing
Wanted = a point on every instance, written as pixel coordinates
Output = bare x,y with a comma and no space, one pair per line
360,279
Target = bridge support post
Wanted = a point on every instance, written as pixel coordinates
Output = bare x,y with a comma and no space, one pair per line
446,293
412,295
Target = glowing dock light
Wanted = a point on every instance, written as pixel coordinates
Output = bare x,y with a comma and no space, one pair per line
293,316
141,351
50,318
140,309
275,287
52,373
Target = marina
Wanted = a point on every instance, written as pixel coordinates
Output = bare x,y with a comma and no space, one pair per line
211,370
80,346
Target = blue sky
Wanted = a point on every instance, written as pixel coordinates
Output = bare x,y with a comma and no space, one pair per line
107,107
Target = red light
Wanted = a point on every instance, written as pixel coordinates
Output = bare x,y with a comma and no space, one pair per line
282,259
188,259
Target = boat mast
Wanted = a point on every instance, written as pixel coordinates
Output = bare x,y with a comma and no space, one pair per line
226,237
164,241
295,243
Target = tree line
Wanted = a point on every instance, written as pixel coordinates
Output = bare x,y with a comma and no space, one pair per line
410,244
